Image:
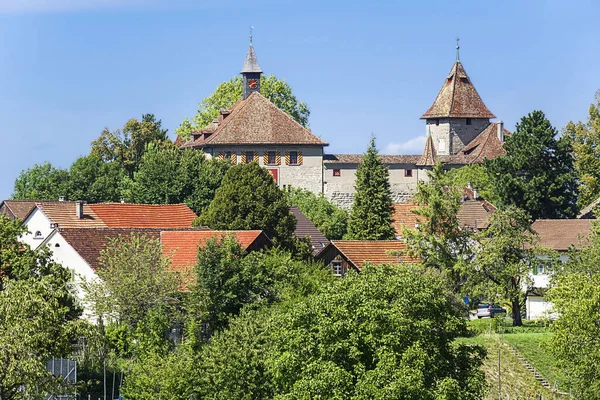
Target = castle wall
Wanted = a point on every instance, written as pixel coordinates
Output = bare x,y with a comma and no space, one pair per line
451,135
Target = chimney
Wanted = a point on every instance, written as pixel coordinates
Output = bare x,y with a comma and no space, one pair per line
61,198
469,185
500,126
79,209
122,200
475,194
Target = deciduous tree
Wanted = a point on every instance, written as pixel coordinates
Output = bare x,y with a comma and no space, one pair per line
371,215
41,182
94,180
328,218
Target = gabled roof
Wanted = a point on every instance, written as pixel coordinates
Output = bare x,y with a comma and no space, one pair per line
403,216
257,121
360,252
64,214
127,215
18,208
560,234
474,214
485,145
458,98
251,63
429,154
304,227
182,246
588,212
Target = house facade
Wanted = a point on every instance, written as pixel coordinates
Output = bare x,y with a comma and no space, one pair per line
458,132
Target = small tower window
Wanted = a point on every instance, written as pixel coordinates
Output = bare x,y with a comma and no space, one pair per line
437,122
468,121
337,172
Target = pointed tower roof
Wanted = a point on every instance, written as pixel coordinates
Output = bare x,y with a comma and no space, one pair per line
251,64
458,98
429,154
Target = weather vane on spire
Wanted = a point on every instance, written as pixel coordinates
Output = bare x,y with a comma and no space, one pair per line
457,49
251,29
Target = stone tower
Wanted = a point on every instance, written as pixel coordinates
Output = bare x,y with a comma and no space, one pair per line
250,74
458,114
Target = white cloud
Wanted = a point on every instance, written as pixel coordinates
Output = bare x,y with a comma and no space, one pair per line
28,6
412,146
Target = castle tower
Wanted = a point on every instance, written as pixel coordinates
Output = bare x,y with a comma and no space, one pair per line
250,73
458,113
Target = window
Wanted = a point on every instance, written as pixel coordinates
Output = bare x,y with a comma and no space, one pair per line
228,155
249,157
408,172
468,121
38,235
437,122
272,157
337,268
337,172
293,158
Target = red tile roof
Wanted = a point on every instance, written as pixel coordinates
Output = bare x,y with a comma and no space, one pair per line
403,216
357,158
485,145
257,120
429,154
306,228
182,246
458,98
126,215
560,234
19,208
64,214
360,252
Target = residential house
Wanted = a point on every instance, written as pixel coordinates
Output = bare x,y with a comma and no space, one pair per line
342,256
16,209
304,228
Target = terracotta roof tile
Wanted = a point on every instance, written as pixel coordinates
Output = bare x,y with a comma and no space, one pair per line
403,216
257,120
360,252
19,208
429,154
485,145
560,234
64,214
306,228
458,98
182,246
127,215
357,158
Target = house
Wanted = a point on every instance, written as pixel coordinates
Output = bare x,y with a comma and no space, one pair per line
304,228
559,235
45,217
342,256
457,125
16,209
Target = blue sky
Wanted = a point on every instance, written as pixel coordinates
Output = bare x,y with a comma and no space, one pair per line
69,68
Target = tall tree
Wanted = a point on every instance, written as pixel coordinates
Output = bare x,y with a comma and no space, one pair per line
537,173
331,220
229,92
586,150
94,180
41,182
249,199
127,146
371,215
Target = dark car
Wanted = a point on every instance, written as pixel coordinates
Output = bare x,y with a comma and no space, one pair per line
489,310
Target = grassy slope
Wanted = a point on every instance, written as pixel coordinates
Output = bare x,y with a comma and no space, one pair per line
516,381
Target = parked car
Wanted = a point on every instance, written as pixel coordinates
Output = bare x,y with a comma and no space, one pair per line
489,310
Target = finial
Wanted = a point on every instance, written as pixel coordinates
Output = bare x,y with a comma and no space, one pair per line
457,49
251,29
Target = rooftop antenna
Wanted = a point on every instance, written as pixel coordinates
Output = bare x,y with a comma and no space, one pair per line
457,49
251,30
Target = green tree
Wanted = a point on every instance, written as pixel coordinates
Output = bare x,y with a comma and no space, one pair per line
41,182
586,151
576,299
386,333
134,278
537,172
249,199
327,217
229,92
127,146
506,254
474,174
94,180
371,215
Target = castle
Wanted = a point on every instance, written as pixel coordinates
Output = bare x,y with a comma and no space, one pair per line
458,129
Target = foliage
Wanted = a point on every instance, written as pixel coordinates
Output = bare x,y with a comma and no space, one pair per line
229,92
167,175
371,215
126,147
387,333
537,172
247,199
586,151
476,175
41,182
326,216
439,241
574,293
94,180
134,278
33,327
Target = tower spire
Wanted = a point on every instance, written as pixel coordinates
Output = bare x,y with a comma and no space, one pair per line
457,49
251,29
251,71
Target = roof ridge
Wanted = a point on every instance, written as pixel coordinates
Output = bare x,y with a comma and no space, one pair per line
234,111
